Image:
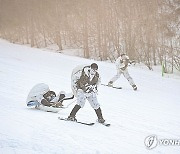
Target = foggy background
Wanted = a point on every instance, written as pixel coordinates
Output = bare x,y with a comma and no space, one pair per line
147,30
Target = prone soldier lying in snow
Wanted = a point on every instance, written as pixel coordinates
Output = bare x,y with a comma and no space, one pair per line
41,95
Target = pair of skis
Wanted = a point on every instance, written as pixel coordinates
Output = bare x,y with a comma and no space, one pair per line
84,123
91,124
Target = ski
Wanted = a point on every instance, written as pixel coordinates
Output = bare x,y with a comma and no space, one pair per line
84,123
106,124
112,86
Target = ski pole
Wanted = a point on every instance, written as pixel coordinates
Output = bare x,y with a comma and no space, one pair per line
71,103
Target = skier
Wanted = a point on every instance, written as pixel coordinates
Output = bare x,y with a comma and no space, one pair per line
50,99
122,68
40,94
84,82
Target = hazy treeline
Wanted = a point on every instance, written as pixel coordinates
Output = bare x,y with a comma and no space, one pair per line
147,30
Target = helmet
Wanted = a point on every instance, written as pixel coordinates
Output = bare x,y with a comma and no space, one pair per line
94,66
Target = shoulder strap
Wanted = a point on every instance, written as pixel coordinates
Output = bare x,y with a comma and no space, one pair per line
83,72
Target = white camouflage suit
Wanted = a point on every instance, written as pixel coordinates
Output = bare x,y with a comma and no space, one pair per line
85,90
121,66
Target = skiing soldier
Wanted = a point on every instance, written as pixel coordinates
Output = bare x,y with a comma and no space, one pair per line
50,99
84,83
40,94
121,66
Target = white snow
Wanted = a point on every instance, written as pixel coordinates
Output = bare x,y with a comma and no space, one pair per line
134,115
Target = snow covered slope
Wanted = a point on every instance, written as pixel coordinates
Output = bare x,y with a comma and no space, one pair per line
134,115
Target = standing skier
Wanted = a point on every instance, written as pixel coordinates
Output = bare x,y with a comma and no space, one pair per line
84,82
121,66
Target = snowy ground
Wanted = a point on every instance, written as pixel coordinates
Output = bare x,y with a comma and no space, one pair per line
134,115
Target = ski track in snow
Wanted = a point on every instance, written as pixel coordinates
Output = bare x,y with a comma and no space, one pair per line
134,115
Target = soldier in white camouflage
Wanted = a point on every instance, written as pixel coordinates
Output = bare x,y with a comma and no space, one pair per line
122,68
84,82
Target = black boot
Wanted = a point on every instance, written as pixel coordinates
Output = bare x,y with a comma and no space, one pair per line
72,116
99,115
134,87
61,98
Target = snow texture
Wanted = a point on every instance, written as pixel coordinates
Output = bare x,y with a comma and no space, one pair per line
153,109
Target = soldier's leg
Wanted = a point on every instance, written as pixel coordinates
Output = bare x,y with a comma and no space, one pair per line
130,79
93,101
114,78
81,99
96,106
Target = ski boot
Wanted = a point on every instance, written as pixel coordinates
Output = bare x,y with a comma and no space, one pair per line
101,120
110,83
99,115
134,87
71,118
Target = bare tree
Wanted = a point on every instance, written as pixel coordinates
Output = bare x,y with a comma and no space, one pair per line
148,31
